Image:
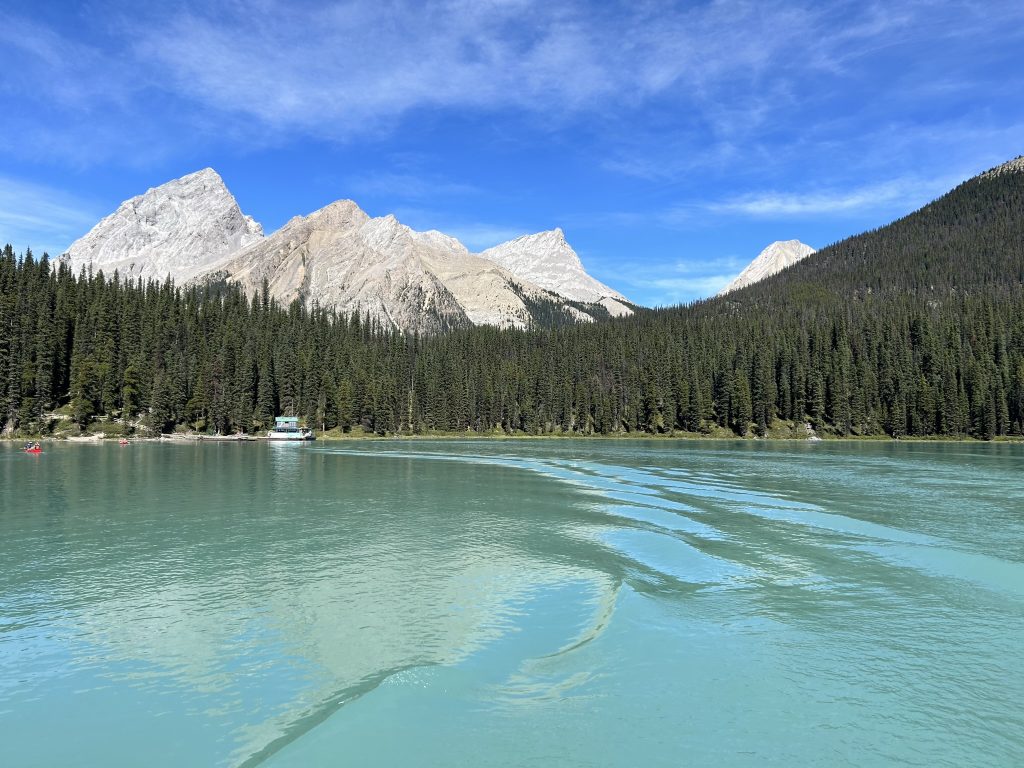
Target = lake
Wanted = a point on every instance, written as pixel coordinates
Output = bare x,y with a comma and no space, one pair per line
512,603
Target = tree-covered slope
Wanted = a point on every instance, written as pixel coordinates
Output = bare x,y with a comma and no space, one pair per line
969,240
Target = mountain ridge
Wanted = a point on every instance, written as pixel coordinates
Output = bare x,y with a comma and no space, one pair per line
192,230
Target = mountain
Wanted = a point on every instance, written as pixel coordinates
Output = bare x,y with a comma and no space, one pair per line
176,229
339,256
547,260
775,258
191,229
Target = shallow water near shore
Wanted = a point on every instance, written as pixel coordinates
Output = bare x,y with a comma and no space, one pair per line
512,603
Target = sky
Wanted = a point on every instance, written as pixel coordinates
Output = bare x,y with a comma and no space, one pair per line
671,141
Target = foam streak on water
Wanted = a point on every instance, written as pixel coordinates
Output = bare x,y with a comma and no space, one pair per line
513,603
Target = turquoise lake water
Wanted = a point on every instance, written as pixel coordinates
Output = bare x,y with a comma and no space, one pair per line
512,603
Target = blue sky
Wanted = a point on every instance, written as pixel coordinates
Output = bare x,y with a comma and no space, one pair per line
671,141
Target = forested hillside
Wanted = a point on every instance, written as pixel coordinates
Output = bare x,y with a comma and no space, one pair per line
968,241
914,329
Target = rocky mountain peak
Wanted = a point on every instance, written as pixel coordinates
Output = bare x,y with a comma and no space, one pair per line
177,228
207,175
337,215
549,245
547,260
776,257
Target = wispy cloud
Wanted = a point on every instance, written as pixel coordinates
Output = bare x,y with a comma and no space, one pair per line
902,194
338,71
42,218
676,282
725,75
668,291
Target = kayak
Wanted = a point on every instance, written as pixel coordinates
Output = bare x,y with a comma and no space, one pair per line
33,450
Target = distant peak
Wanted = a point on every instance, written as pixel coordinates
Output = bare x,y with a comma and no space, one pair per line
194,186
791,249
204,176
339,208
206,173
774,258
345,203
179,227
546,259
555,234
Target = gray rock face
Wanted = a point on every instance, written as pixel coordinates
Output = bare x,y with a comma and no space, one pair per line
774,258
548,261
177,229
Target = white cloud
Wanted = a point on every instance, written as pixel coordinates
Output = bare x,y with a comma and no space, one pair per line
671,290
730,72
343,70
677,282
45,219
900,194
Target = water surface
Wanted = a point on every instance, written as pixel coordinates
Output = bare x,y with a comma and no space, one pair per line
512,603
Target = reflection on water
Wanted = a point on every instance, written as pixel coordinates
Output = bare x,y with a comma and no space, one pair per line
513,603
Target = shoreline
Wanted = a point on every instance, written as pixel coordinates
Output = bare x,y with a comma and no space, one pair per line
681,437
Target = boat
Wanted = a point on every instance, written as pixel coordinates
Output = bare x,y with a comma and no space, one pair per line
33,448
287,428
123,441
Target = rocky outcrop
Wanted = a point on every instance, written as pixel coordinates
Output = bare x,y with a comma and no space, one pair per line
1012,166
547,260
774,258
177,229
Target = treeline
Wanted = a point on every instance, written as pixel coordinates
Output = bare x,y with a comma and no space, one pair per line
886,348
213,360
